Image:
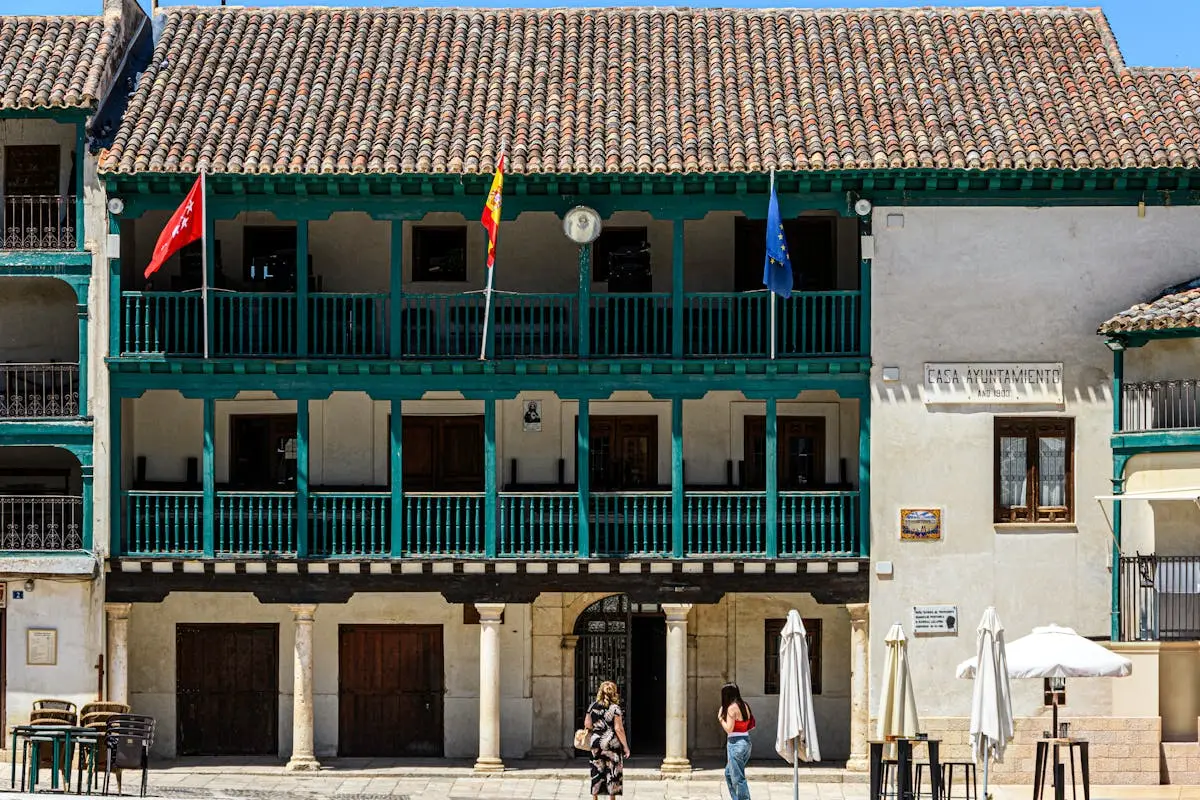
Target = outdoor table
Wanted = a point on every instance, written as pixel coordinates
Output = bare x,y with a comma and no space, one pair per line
904,766
1042,760
66,732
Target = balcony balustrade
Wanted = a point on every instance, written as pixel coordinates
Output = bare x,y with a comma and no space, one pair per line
39,391
39,222
524,325
528,524
1160,598
1160,405
41,523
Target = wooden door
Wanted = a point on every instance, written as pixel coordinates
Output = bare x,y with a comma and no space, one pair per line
390,689
624,453
262,451
443,454
800,453
227,690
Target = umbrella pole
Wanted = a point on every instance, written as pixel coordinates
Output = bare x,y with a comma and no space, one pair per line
986,761
796,769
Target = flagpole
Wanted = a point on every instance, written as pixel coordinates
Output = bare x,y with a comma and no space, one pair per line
772,291
204,256
491,274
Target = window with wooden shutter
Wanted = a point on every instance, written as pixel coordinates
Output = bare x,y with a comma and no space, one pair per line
1034,469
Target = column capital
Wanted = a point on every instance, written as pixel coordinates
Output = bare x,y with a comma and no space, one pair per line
303,612
570,642
676,612
490,613
118,610
860,613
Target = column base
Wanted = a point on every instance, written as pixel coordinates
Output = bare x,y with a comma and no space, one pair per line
303,764
675,766
858,764
489,764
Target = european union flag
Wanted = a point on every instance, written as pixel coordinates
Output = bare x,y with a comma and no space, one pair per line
777,267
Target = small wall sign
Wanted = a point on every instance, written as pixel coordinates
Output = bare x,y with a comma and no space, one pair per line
41,647
531,412
921,524
935,619
991,383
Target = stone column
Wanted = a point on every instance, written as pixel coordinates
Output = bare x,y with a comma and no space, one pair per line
118,651
676,759
572,719
489,687
303,755
860,683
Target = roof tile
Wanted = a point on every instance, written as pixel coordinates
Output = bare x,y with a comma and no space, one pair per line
53,62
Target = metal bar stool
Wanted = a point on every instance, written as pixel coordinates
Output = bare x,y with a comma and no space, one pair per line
922,767
970,784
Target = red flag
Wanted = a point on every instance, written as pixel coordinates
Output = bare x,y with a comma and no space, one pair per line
491,211
185,226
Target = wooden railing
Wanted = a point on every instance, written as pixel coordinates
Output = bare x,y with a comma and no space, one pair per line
528,524
252,325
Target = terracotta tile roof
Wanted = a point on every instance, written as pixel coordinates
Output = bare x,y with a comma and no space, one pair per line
54,62
323,90
1175,311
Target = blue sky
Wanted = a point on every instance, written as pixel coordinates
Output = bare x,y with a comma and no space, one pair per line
1153,33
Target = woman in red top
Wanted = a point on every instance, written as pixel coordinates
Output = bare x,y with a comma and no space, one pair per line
737,720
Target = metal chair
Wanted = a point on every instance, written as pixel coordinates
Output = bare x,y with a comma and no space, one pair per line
970,784
128,738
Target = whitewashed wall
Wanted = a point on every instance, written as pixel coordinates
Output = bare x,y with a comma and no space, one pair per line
1000,284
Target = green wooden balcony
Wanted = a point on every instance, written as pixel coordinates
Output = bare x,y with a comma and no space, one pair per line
253,325
528,525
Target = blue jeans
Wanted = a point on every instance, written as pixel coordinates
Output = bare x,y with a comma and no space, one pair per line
738,750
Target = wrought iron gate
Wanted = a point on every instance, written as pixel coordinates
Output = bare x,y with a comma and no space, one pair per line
602,652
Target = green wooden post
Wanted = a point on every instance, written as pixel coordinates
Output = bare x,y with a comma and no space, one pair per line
864,474
209,477
864,295
116,482
302,532
81,313
80,158
677,496
115,321
1118,486
772,479
585,302
210,248
489,477
86,472
583,445
302,290
396,315
396,454
677,309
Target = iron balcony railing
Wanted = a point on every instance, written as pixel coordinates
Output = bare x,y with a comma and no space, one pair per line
523,325
1160,405
1160,598
528,524
39,222
41,523
39,391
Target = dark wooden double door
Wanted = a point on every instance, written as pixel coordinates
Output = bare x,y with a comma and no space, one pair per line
227,690
390,690
799,448
623,453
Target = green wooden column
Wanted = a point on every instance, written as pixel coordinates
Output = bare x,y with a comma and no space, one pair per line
302,533
396,454
1118,484
677,496
585,302
115,322
489,477
80,158
772,478
116,481
864,289
208,464
302,321
210,248
677,299
396,312
864,474
583,446
86,473
81,313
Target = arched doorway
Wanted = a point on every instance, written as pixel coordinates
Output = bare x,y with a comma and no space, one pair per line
625,643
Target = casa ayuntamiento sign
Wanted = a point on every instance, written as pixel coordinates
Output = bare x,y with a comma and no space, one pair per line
993,382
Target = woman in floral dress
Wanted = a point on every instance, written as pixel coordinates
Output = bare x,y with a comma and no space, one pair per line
608,744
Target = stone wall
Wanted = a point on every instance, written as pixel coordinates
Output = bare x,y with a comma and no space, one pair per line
1123,751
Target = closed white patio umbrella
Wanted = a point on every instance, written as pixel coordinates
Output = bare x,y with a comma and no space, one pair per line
796,732
897,703
991,700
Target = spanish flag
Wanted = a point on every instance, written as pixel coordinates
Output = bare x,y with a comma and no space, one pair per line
491,211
